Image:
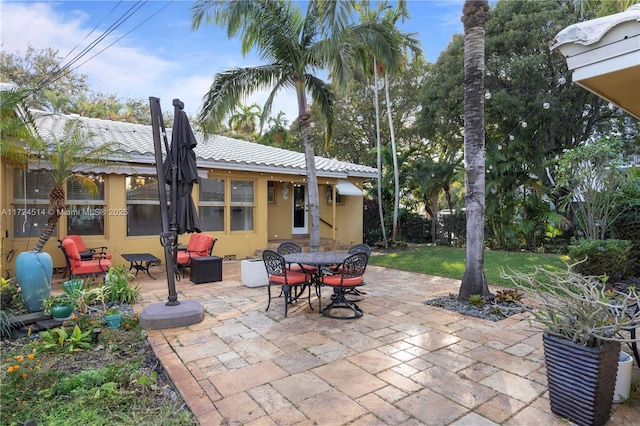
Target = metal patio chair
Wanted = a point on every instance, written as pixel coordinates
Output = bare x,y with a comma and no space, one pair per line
349,277
279,275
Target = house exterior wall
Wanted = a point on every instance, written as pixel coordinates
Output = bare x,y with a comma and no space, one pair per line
271,220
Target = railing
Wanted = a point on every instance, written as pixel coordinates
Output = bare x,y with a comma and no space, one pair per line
327,223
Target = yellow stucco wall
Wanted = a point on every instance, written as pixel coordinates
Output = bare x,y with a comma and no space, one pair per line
271,220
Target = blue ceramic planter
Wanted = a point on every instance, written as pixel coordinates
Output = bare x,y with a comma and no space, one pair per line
113,321
34,272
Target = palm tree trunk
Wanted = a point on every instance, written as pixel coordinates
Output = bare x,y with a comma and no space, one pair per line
475,17
394,154
379,159
57,204
310,162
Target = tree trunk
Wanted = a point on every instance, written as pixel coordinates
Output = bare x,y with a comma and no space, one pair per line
379,159
310,162
394,154
57,204
474,18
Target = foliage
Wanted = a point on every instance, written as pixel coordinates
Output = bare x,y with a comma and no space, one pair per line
508,295
59,339
627,227
118,285
577,307
592,181
112,312
61,300
450,261
602,257
118,381
476,300
36,72
5,324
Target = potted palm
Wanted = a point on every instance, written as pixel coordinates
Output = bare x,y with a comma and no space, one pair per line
60,157
584,323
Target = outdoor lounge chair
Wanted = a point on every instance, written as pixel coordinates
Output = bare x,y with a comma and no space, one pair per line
85,252
199,245
279,275
79,267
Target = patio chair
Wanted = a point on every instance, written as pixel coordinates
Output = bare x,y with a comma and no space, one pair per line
289,247
79,267
199,245
86,253
279,275
349,277
358,248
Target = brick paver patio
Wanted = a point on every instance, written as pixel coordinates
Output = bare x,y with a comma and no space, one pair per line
402,363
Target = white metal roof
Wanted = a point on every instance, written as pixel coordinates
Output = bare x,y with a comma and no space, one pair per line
217,152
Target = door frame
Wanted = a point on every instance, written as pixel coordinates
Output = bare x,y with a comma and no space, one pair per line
304,229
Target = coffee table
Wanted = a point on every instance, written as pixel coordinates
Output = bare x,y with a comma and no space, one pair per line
138,261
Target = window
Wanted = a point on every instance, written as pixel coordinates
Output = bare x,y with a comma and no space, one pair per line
271,192
143,205
242,205
329,190
30,202
85,210
212,202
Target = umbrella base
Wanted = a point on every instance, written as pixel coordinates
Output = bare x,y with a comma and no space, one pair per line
159,316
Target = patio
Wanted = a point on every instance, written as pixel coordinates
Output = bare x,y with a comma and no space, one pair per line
402,363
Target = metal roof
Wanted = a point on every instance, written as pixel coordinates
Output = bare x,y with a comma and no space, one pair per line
216,152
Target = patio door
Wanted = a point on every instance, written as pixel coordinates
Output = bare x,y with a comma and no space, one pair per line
300,210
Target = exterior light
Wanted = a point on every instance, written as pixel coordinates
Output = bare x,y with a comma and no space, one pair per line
487,95
546,105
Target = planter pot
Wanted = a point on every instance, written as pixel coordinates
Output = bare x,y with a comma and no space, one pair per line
254,274
113,321
623,378
62,312
34,272
581,379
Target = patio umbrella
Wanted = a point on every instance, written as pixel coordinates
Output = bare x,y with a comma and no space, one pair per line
180,165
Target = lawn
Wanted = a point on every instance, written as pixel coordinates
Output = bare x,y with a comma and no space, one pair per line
450,262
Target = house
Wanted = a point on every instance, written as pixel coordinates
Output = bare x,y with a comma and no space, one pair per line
604,56
248,195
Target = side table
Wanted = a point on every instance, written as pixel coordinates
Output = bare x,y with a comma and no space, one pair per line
137,260
205,269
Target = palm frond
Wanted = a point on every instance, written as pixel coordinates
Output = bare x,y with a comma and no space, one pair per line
230,87
324,98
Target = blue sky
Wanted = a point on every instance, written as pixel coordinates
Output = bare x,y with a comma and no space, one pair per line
159,55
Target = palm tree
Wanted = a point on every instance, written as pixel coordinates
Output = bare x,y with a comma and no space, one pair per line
244,119
387,16
475,15
297,47
60,158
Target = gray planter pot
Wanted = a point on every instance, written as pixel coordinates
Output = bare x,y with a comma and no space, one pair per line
581,379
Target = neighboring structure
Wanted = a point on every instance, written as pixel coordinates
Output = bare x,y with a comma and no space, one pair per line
604,56
248,195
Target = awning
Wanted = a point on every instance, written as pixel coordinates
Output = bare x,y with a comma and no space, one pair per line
344,187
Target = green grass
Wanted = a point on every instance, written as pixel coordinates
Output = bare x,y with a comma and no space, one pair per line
450,262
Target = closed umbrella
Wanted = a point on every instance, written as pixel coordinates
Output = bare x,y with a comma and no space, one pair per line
184,171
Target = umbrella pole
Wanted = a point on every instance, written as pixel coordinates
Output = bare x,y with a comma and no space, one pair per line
168,238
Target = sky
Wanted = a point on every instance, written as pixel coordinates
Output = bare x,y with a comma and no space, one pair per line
155,52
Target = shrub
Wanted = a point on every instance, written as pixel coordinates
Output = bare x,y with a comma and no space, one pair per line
602,257
627,227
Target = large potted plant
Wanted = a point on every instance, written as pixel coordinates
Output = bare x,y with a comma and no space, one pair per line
584,323
21,147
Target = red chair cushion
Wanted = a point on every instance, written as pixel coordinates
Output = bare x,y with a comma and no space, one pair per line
199,244
77,239
91,267
304,268
291,279
334,280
